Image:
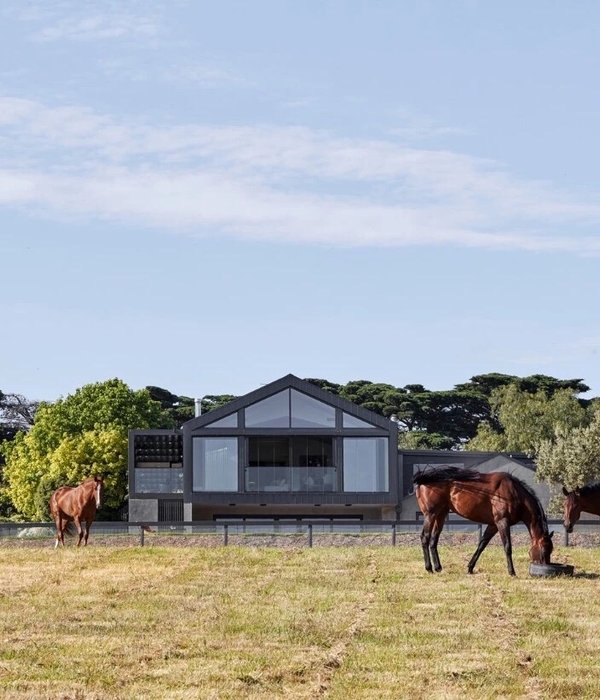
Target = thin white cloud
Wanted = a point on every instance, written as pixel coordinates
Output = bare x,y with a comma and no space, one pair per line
99,26
277,183
73,20
192,73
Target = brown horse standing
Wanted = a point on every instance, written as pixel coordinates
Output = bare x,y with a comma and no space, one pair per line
76,504
496,499
586,499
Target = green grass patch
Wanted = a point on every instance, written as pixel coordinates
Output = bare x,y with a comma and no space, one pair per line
239,622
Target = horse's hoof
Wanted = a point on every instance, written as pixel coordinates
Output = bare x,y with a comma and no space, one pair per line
438,569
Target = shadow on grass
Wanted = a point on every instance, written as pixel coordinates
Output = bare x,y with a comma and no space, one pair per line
586,574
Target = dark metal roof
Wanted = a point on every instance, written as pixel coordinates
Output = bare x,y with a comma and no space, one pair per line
293,382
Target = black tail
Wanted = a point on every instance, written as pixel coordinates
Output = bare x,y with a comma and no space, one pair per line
433,475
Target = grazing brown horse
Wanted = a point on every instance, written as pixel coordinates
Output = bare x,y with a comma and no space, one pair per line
586,499
70,504
496,499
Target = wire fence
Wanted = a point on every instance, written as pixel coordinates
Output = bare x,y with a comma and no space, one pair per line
308,531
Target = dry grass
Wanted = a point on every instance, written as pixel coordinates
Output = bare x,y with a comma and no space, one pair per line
344,624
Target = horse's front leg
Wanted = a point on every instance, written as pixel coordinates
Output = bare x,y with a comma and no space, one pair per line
77,522
484,540
88,524
58,524
435,536
63,524
504,529
425,540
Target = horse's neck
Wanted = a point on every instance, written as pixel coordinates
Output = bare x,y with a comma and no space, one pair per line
534,519
89,489
590,503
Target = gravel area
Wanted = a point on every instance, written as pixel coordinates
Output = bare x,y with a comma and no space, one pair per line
288,541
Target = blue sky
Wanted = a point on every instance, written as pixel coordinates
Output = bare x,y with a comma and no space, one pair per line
206,196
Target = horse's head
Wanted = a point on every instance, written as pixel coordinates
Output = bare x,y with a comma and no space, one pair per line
98,490
572,510
541,548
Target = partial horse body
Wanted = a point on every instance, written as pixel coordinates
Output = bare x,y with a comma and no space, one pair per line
585,499
495,499
77,504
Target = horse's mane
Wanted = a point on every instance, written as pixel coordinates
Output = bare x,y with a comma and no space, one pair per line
589,489
431,475
534,497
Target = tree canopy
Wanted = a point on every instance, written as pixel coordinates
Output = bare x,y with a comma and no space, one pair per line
80,435
522,420
16,413
177,409
572,457
86,432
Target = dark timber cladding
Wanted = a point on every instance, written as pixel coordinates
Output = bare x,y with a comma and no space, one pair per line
288,449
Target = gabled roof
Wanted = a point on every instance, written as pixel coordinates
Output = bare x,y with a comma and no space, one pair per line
290,381
475,458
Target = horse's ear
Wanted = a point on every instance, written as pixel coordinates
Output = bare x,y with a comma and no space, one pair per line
551,534
565,492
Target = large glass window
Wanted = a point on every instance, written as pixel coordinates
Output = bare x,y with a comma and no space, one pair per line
309,451
215,464
299,463
349,421
310,413
366,464
230,421
268,452
158,480
273,412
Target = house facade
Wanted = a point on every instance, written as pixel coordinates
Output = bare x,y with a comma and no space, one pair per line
287,451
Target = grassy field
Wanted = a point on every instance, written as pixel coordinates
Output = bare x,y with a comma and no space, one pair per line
338,623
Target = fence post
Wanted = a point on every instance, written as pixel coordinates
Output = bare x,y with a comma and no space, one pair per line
225,535
393,534
565,536
310,534
479,530
141,535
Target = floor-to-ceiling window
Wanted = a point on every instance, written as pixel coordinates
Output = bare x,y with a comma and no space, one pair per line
298,463
215,464
366,464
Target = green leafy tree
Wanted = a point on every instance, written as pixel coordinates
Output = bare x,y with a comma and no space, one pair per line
211,402
179,409
572,457
80,435
420,440
523,420
17,414
325,384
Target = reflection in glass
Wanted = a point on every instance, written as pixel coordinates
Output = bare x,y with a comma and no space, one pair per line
310,413
349,421
162,480
366,464
278,479
215,464
230,421
273,412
